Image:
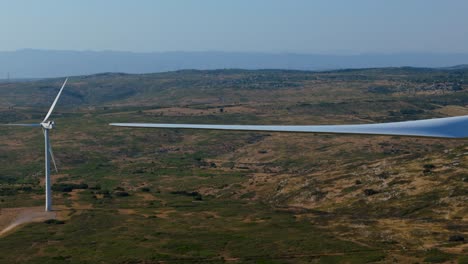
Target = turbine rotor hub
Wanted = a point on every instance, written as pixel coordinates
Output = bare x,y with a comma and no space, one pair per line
48,125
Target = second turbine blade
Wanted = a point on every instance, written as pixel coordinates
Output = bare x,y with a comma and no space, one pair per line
52,157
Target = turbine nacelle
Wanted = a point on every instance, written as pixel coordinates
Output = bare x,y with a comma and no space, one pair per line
48,125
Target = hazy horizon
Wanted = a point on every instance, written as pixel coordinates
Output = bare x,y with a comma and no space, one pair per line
338,53
270,26
54,38
34,63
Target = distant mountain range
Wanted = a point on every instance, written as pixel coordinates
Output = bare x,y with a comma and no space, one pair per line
31,63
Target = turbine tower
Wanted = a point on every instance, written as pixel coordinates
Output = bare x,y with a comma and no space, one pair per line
46,126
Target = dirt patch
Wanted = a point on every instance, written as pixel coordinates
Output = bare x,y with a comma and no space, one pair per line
453,110
127,211
147,196
10,218
165,213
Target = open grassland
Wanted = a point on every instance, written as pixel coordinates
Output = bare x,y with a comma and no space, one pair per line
185,196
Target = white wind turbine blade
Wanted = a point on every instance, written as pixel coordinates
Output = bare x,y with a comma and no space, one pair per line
449,127
53,158
22,125
55,101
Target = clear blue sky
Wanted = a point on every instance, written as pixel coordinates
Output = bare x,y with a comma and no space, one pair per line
301,26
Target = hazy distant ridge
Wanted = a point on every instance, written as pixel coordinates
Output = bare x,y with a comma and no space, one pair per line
50,63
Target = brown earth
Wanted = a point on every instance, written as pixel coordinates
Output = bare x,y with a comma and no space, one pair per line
11,218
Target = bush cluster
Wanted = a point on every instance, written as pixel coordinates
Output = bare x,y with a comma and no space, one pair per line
68,187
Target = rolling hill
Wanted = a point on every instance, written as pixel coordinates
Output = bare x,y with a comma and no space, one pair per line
155,196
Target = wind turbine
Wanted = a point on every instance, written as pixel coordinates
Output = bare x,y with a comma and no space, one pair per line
448,127
46,126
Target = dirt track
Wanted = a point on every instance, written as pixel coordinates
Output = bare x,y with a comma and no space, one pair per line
11,218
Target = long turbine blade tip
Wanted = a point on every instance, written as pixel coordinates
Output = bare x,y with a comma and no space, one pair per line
55,101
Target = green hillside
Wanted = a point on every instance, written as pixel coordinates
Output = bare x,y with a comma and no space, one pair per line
186,196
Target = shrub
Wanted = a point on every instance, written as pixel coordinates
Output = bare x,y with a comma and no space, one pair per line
411,111
54,222
68,187
145,189
104,192
197,196
25,188
97,187
370,192
429,166
122,194
456,238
